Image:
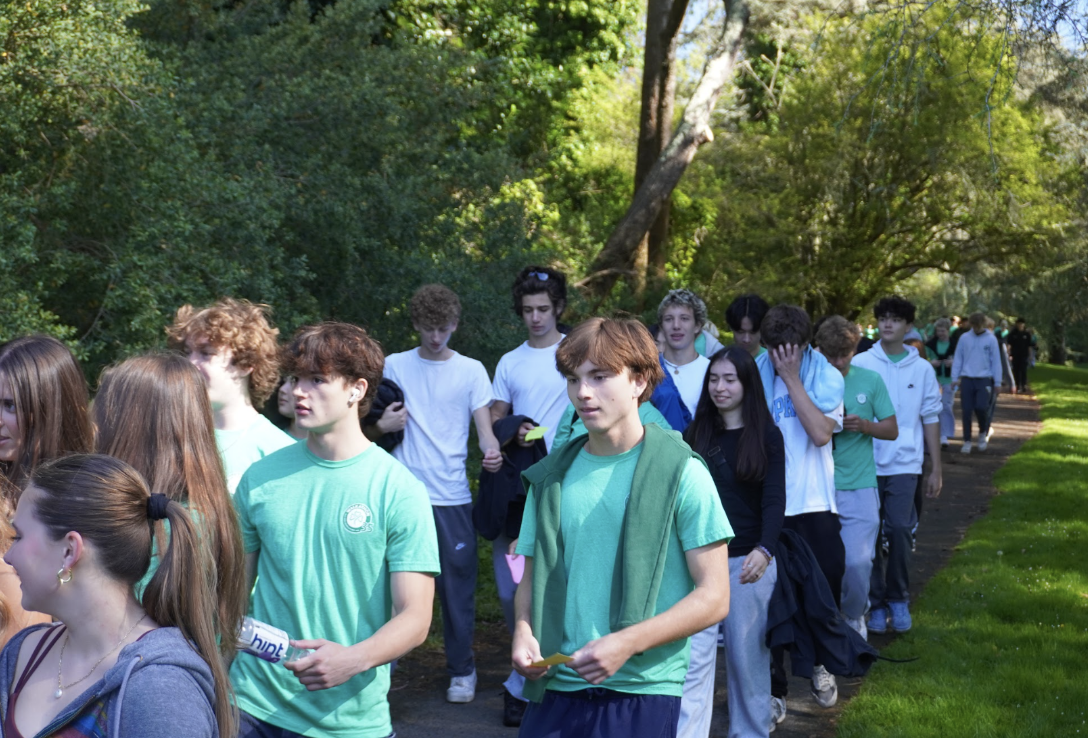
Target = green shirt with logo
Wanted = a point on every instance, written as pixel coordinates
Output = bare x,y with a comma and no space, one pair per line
328,535
867,397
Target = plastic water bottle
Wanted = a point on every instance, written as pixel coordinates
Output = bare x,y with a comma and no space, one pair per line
268,643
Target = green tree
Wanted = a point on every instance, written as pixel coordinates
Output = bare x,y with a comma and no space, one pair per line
862,185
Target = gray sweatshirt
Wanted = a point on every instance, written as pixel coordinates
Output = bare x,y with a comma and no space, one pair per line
977,356
159,687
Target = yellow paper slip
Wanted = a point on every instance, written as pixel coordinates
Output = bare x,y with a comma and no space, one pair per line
535,433
554,660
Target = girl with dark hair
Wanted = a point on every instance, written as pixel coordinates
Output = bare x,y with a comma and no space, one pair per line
43,415
173,447
84,528
284,415
734,432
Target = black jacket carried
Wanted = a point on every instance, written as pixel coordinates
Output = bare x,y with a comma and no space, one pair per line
803,616
501,498
388,393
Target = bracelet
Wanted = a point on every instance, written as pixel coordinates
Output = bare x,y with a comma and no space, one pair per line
763,550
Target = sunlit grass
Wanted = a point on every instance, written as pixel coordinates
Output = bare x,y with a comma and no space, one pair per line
1001,634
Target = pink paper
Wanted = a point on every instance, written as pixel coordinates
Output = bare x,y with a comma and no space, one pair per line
517,566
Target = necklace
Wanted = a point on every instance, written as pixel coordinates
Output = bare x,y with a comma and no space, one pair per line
60,661
675,367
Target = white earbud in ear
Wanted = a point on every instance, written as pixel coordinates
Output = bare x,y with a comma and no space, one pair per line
354,396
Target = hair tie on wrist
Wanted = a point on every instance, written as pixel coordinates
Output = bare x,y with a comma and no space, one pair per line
156,506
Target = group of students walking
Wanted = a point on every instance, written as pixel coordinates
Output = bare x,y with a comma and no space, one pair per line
645,499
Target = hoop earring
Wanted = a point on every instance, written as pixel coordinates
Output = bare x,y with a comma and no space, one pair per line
60,576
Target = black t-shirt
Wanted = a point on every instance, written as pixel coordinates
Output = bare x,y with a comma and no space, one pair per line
755,508
1020,343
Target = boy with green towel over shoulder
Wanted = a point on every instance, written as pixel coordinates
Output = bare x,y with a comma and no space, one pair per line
625,543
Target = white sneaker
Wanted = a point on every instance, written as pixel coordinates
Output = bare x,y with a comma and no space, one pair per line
982,444
778,711
462,688
858,624
966,447
989,433
824,688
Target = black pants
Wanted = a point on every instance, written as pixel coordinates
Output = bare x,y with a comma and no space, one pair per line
1020,371
822,532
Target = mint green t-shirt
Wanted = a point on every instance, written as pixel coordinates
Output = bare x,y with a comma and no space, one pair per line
867,397
328,534
595,492
239,449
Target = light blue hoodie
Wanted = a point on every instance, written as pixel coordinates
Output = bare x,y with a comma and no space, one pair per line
159,686
916,395
823,382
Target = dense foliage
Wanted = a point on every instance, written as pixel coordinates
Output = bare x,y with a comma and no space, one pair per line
329,156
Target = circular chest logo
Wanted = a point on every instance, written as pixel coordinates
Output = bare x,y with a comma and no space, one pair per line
359,519
862,399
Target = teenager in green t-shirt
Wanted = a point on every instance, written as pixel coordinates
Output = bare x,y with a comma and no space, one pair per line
869,414
623,613
338,536
234,348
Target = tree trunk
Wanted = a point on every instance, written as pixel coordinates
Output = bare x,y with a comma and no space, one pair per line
663,21
1056,351
619,253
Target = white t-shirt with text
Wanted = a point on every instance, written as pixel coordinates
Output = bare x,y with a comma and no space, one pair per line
810,469
440,397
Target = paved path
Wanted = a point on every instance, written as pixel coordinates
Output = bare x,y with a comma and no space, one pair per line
418,688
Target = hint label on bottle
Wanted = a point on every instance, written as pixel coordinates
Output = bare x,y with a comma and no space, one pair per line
266,642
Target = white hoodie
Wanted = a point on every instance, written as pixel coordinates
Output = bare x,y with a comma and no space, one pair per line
912,385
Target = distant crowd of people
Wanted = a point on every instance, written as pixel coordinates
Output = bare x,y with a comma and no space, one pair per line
651,496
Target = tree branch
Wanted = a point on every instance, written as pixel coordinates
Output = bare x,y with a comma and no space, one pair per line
694,130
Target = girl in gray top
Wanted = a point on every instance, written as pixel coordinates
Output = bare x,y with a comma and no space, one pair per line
110,665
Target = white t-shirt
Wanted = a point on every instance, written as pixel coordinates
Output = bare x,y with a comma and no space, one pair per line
689,380
527,379
810,469
440,397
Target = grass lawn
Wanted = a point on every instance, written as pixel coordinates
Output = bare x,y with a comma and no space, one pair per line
1001,634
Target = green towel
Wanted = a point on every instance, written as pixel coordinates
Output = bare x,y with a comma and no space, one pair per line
647,527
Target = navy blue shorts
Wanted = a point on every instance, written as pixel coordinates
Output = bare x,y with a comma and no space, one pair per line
601,713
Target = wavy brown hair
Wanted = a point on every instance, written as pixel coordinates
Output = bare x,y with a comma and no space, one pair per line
105,501
173,447
337,349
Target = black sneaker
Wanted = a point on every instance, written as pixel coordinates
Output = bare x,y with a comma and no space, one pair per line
513,710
